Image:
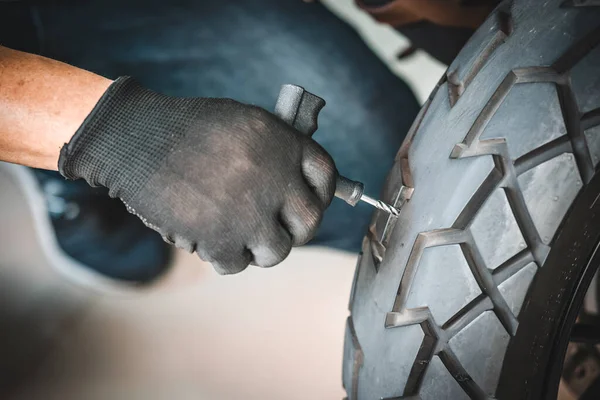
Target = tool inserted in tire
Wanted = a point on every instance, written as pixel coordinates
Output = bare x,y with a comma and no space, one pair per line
300,109
380,205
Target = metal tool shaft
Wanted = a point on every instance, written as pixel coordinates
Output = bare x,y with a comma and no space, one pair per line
380,205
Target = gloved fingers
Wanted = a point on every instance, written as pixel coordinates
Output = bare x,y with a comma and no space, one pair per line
231,262
319,172
271,246
301,216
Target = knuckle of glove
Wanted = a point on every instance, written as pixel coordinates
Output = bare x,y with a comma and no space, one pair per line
329,176
320,172
302,218
258,115
228,267
312,219
232,263
272,252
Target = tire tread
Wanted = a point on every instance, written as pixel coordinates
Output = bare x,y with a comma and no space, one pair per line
503,177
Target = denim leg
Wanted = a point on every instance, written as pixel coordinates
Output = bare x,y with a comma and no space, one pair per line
246,49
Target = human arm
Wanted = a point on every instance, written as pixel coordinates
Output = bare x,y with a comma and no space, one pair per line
42,103
228,180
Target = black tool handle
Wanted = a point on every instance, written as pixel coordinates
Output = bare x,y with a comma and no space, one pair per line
300,109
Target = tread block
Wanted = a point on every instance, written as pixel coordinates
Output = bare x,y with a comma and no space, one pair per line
447,261
439,380
495,230
544,122
476,53
384,375
592,135
480,348
585,80
515,288
547,204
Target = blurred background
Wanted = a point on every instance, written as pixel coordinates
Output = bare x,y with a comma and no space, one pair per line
68,333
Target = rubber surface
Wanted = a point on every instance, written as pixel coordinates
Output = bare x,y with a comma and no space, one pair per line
488,172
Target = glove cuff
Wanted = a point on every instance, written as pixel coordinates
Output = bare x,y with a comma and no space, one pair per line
126,137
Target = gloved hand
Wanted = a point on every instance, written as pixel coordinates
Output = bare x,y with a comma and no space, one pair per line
228,180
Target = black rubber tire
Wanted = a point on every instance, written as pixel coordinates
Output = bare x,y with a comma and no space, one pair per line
503,154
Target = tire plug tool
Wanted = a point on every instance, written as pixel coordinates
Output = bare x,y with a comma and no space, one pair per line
300,109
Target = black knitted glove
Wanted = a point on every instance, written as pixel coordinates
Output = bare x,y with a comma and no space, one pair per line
228,180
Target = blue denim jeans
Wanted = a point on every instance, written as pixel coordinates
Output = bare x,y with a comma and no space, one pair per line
245,50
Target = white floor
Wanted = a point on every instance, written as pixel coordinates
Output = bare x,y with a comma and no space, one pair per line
263,334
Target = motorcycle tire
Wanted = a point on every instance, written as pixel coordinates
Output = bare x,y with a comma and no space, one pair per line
470,291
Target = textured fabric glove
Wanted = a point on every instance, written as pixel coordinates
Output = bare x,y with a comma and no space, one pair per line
228,180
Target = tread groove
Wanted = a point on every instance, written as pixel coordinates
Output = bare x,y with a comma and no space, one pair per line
424,357
424,240
397,319
456,87
542,154
491,182
524,221
461,375
485,116
377,248
577,52
590,119
538,75
467,314
571,115
505,23
512,266
486,283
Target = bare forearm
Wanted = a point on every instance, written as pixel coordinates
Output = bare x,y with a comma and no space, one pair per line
42,103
